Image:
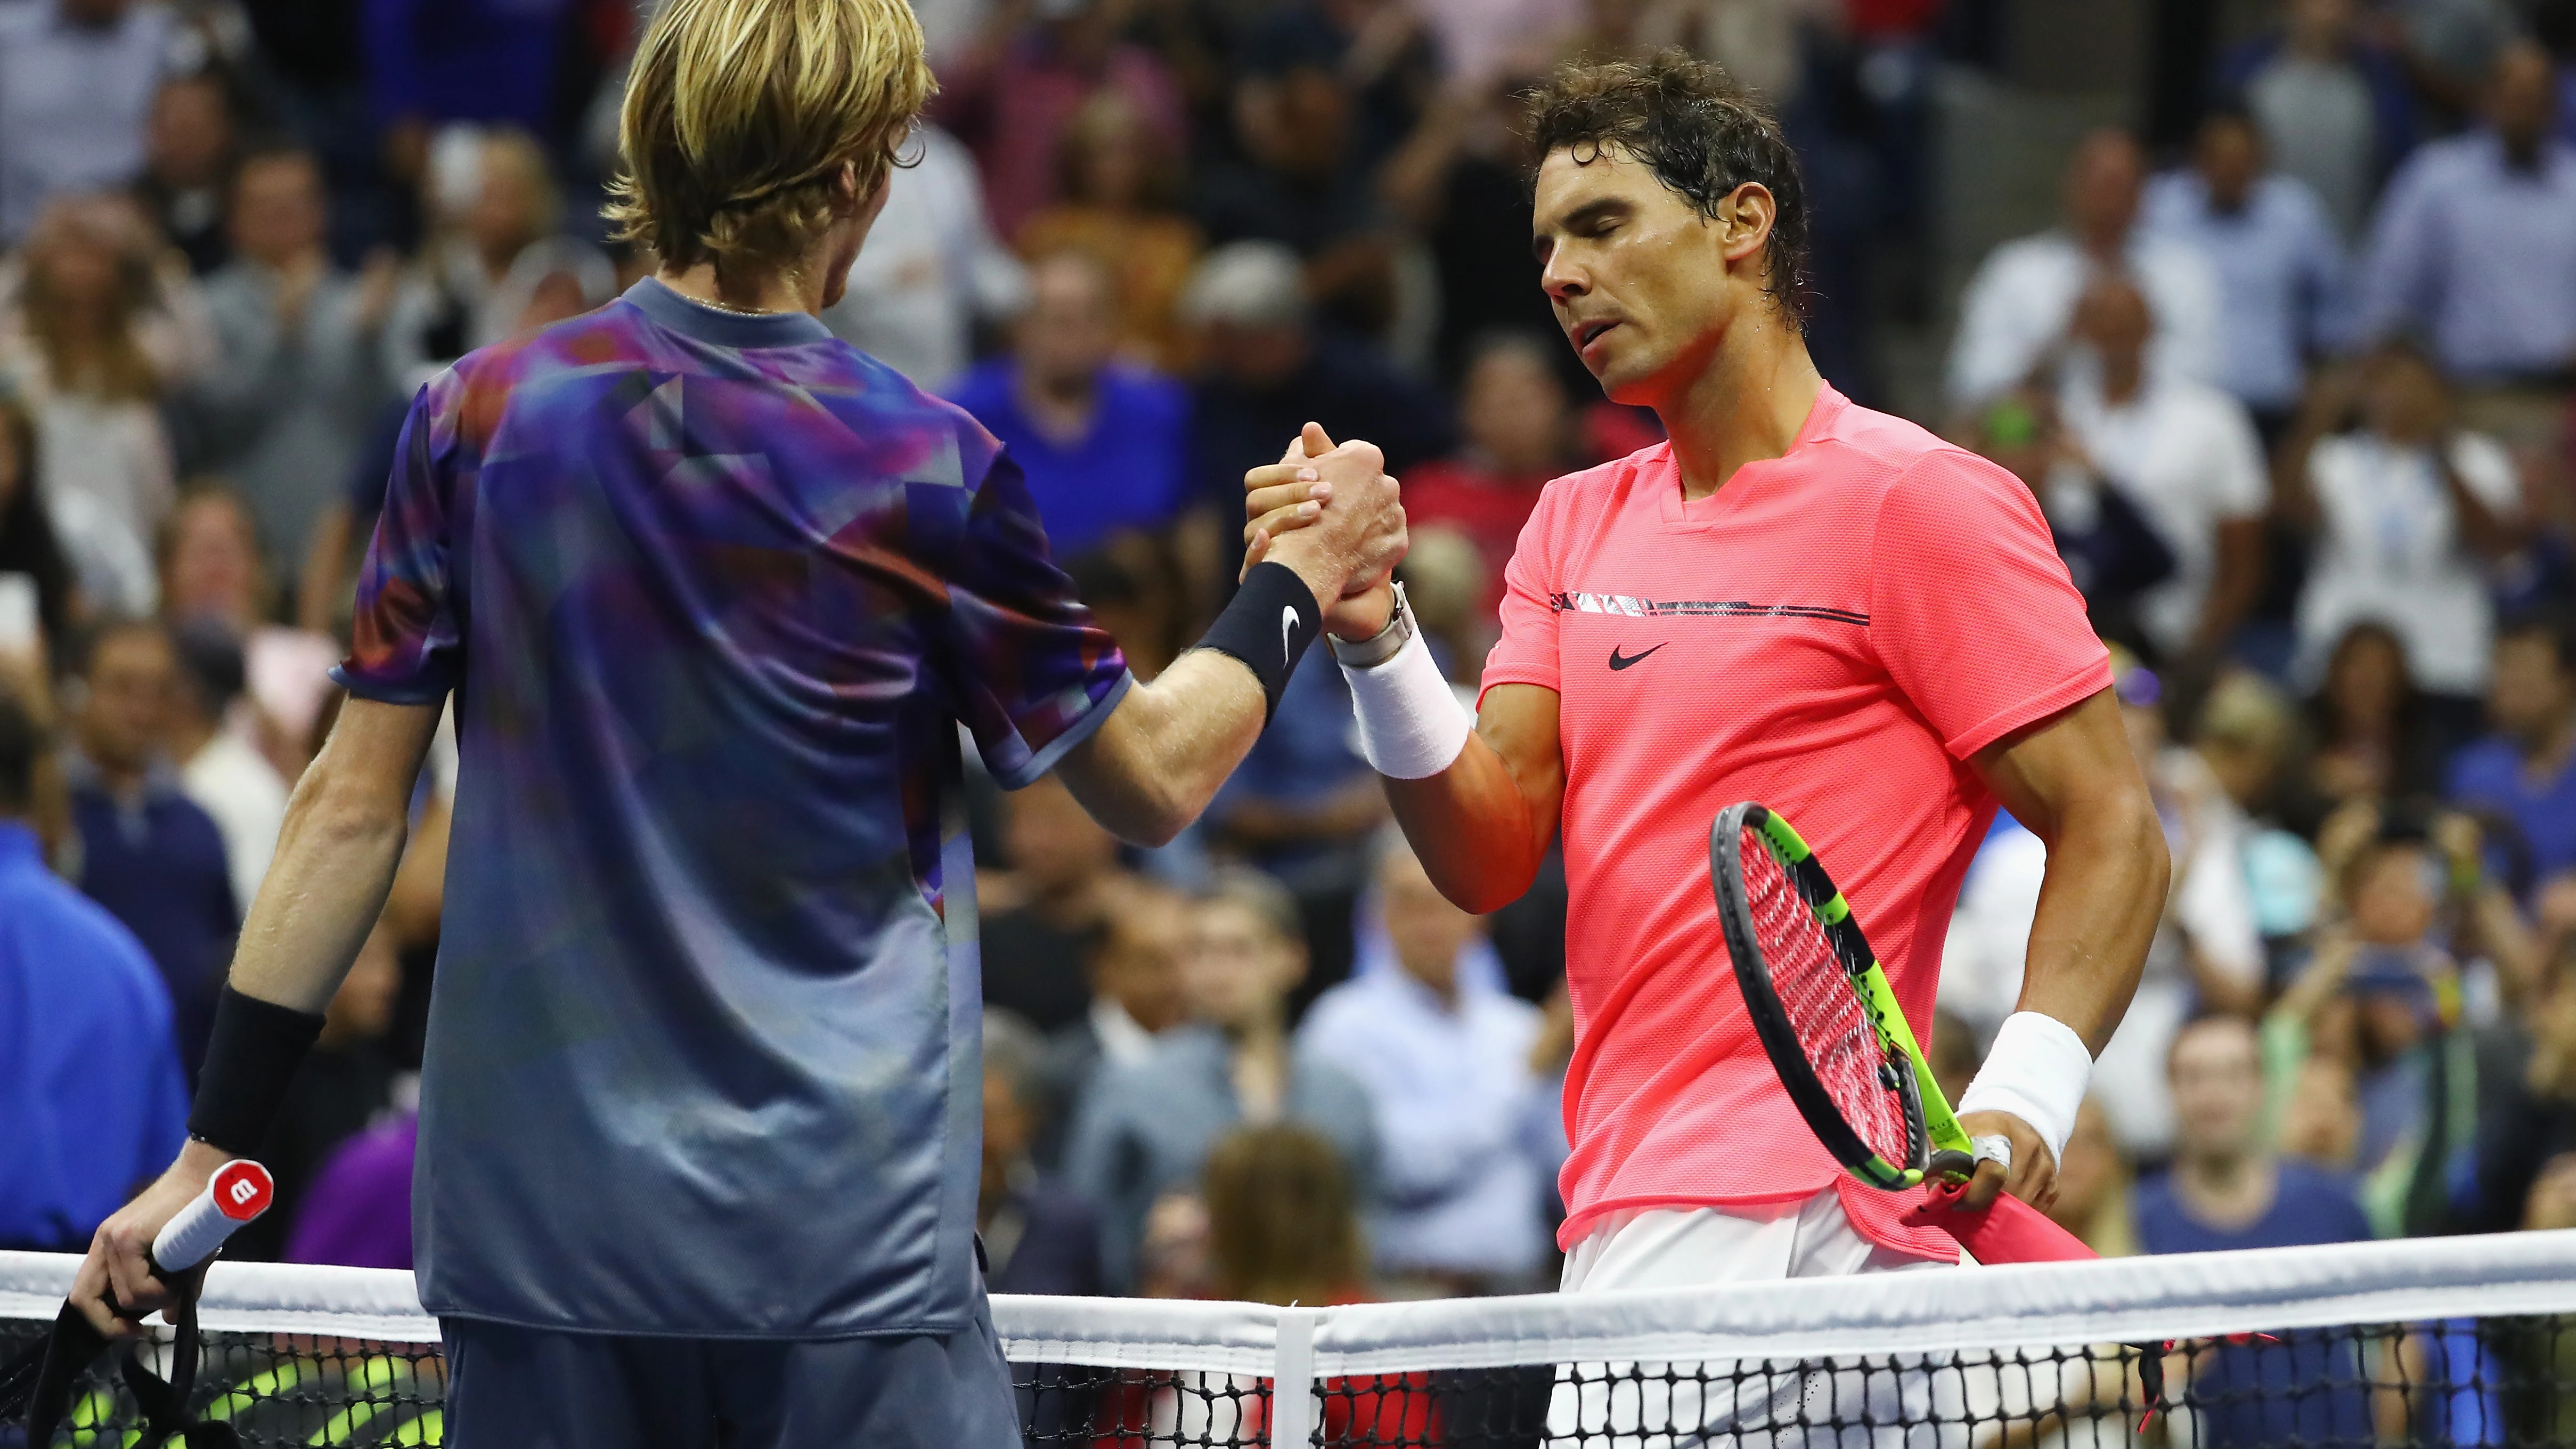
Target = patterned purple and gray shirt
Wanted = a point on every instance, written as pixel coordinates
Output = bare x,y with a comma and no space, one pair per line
713,592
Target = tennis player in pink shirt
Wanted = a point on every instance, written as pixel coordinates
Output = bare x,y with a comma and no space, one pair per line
1797,601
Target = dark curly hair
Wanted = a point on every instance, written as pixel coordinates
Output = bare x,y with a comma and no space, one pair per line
1702,135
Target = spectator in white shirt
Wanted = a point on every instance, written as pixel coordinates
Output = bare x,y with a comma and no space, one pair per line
2017,307
2284,284
1444,1052
2405,509
76,85
931,267
2185,454
220,765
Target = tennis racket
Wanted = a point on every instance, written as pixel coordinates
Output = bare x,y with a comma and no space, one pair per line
1831,1026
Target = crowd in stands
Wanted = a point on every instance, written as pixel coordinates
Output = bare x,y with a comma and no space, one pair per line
2294,395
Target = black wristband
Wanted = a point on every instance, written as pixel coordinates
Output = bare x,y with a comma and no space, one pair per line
1269,626
250,1058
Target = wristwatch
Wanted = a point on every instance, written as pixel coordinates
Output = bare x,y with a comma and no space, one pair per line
1382,645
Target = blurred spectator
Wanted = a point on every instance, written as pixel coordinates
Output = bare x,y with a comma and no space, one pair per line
89,1072
1444,1053
1449,585
1064,886
1132,585
2023,296
2112,553
74,347
497,261
211,568
148,854
2334,108
1145,1129
344,1086
1304,802
1459,184
219,766
434,62
1039,1236
2186,455
187,167
1267,373
2406,510
2525,773
76,84
1283,1219
2284,284
931,268
1013,95
2381,1000
2093,1188
301,345
1134,968
1299,184
1118,185
2466,235
2247,735
2527,1127
358,1213
2226,1191
28,547
1518,436
1104,444
2374,736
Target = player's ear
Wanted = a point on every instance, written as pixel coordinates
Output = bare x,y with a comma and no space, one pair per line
1744,220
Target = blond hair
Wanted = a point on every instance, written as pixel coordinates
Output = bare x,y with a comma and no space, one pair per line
740,114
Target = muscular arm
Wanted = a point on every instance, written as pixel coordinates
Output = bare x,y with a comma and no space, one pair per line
1482,825
343,837
2073,781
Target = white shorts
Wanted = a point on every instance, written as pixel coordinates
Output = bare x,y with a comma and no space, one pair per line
1861,1404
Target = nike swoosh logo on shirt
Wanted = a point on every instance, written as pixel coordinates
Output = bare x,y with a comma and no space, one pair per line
1616,662
1287,633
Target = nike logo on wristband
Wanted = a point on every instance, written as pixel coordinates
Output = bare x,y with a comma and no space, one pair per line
1287,633
1616,662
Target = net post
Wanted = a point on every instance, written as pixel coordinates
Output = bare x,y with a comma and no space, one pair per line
1292,1379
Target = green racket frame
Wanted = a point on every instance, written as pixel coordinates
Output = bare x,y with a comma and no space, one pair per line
1933,1131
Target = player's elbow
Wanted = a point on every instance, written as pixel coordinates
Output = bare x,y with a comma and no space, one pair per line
337,805
2117,821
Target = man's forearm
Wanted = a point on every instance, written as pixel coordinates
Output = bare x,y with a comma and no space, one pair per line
1154,765
2099,904
336,856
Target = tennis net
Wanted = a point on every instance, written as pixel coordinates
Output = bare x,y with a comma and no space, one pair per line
2459,1341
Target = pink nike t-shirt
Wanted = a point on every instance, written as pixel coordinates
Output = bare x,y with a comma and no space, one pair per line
1832,633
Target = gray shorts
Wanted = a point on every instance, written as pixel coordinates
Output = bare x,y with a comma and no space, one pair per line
526,1388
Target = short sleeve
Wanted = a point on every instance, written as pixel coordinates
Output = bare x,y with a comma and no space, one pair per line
1526,653
2487,471
407,645
1031,674
1971,611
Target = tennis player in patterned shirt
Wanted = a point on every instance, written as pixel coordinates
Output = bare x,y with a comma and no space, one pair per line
712,592
1795,600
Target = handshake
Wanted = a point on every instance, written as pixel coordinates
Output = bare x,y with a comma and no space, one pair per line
1331,514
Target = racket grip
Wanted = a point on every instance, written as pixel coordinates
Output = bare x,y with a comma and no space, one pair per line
239,1191
2010,1231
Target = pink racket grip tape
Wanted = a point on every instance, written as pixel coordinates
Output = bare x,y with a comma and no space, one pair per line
2011,1231
239,1191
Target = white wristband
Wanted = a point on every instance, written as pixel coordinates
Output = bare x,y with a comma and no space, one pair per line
2036,1070
1411,726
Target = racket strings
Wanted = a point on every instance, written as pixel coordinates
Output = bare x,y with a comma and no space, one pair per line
1815,990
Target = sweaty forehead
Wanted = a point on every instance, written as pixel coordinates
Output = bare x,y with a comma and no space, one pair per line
1572,178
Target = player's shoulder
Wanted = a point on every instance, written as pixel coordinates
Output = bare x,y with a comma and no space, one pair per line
1882,453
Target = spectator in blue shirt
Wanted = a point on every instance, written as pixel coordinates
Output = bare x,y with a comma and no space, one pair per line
2226,1190
1102,442
149,854
2525,773
1444,1052
2475,242
89,1074
2283,280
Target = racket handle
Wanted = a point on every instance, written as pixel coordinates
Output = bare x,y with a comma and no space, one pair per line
239,1191
2010,1231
